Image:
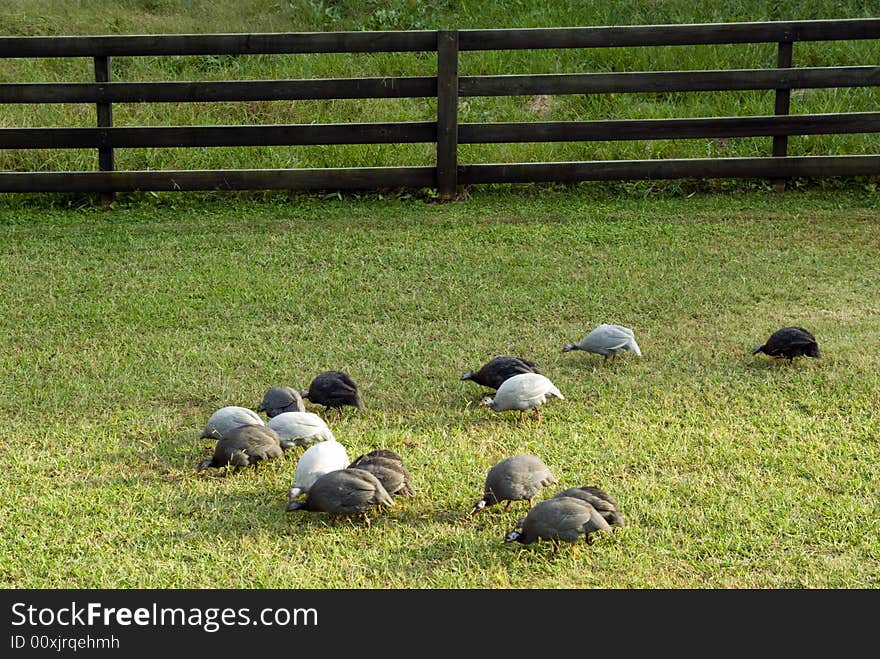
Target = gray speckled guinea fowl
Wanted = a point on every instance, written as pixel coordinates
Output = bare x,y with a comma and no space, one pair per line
244,446
334,389
605,504
278,400
498,369
517,478
559,519
607,340
388,467
344,493
790,342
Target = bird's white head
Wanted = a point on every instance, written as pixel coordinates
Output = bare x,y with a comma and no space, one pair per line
512,536
487,401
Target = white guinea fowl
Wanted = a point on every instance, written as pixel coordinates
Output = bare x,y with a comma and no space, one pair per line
607,340
523,392
300,428
227,418
316,461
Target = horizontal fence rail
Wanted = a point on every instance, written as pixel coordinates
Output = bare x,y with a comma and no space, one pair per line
671,169
203,92
670,81
426,131
448,87
193,136
219,44
426,40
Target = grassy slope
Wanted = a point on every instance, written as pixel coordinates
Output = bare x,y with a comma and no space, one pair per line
125,330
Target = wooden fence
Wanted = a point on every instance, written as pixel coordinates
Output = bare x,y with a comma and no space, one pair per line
447,86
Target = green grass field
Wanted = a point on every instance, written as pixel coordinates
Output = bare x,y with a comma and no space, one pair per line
122,331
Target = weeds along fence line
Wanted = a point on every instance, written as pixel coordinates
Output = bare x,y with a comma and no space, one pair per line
447,86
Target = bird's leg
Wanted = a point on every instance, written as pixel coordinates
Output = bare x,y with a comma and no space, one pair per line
538,415
588,539
555,546
506,505
366,519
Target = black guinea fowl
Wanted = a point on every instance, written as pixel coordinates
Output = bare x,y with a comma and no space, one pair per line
278,400
388,467
605,504
789,342
497,370
517,478
558,519
244,446
334,389
344,493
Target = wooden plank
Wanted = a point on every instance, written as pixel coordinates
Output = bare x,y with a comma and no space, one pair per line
368,178
234,90
669,81
425,131
205,136
219,44
447,113
395,177
507,85
701,168
425,40
669,35
782,105
104,112
657,129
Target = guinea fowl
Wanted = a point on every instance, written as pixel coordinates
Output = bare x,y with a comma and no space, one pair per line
522,392
317,460
300,428
278,400
345,492
244,446
498,369
517,478
790,342
334,389
607,340
388,467
228,418
605,504
559,519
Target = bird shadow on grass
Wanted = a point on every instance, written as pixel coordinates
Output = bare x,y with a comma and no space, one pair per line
772,365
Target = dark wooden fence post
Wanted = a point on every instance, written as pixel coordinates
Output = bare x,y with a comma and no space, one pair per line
447,113
783,104
105,120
